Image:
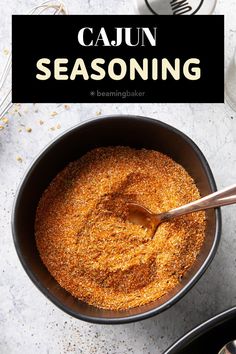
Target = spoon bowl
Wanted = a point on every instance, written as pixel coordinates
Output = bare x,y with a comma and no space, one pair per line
229,348
140,215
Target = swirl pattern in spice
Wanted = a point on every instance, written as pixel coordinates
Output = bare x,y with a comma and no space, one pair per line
91,249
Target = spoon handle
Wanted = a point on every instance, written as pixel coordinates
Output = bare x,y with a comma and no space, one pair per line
223,197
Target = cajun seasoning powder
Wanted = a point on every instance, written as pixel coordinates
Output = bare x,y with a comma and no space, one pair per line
91,249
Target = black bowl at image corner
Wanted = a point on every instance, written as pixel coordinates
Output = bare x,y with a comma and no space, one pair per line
133,131
209,337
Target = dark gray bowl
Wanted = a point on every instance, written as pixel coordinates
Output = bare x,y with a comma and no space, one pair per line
138,132
208,337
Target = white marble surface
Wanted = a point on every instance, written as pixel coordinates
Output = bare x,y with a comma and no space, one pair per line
29,323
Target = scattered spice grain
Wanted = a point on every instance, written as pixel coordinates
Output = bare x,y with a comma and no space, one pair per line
5,120
91,249
19,159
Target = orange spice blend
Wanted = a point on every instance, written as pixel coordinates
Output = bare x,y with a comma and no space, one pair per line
90,248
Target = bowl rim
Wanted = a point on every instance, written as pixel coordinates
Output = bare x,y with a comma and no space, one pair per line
176,297
201,329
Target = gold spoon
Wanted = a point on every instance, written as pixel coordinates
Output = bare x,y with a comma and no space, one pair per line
229,348
140,215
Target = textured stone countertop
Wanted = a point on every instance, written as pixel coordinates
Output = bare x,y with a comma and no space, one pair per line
29,323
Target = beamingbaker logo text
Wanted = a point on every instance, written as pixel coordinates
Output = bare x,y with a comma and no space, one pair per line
179,7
